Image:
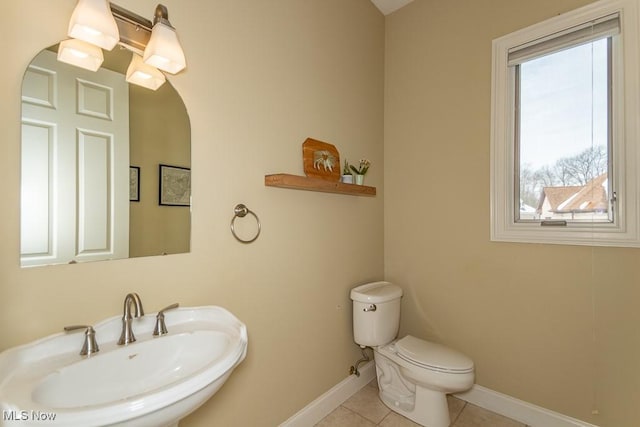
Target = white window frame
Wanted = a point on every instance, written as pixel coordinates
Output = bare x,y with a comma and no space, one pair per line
625,230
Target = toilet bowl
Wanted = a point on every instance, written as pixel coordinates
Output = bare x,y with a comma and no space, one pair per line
414,375
417,389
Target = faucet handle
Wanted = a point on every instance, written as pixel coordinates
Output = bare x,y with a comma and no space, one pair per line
160,328
90,345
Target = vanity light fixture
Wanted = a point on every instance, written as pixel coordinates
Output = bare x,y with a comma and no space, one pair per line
143,74
163,50
99,23
81,54
92,22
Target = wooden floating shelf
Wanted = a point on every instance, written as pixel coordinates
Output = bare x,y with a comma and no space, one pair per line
297,182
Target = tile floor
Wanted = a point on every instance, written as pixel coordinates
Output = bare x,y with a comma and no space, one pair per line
365,409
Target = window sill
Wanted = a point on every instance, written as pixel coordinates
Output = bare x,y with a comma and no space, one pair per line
573,234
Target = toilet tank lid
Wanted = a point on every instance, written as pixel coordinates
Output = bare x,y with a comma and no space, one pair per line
376,292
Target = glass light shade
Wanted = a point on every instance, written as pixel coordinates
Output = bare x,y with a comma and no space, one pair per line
163,50
81,54
144,75
93,22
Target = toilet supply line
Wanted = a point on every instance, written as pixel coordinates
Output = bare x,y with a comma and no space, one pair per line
365,358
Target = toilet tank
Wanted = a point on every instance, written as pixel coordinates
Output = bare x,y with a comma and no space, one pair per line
376,313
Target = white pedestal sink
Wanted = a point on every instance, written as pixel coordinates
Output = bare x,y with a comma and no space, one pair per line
153,382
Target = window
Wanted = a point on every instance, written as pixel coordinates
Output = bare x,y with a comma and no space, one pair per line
564,138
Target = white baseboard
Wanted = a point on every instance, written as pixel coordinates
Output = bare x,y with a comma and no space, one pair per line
518,410
325,404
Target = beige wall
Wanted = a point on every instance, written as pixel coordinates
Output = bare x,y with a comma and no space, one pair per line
262,77
552,325
160,134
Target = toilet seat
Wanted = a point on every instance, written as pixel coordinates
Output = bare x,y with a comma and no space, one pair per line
432,356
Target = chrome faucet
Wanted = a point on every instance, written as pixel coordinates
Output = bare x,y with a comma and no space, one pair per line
127,333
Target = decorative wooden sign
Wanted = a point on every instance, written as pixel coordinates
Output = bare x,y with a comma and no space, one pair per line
321,160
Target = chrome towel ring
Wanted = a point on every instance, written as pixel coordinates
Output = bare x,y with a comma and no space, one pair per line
240,211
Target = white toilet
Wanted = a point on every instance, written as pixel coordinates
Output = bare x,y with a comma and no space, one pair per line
414,376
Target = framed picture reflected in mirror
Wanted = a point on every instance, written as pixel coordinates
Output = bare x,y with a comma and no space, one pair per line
175,186
134,183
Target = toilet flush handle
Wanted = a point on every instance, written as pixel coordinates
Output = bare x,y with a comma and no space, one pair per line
372,307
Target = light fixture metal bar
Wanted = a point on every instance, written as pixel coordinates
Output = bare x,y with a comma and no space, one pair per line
135,31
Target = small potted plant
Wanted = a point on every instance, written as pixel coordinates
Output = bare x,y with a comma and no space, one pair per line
347,178
361,170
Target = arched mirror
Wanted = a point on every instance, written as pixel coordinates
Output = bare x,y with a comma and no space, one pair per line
105,165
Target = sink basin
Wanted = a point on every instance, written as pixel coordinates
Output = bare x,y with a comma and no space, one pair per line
153,382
